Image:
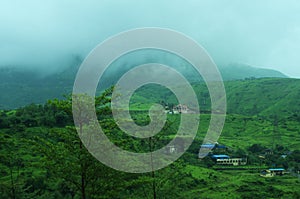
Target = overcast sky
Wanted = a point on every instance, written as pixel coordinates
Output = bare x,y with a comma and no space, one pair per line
45,34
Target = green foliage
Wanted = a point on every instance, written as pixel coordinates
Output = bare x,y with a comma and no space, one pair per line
23,87
42,156
265,98
66,160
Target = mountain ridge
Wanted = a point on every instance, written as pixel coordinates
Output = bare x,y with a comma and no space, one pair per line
242,71
23,87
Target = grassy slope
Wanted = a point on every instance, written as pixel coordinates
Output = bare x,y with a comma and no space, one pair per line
241,184
212,184
242,132
265,97
23,87
270,96
242,71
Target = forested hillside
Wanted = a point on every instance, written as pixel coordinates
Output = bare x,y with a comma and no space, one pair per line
43,157
23,87
268,97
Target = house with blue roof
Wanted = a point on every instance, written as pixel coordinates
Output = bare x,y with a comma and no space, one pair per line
272,172
226,160
218,157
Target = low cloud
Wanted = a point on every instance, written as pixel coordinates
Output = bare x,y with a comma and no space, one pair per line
45,35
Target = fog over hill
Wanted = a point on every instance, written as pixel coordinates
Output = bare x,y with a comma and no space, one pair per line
22,87
43,35
242,71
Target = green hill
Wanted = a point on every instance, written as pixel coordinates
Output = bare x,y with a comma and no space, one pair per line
42,157
265,97
23,87
243,71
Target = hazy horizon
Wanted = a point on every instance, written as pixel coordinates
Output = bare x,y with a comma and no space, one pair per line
46,35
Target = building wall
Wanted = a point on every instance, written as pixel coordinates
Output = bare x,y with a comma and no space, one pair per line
232,161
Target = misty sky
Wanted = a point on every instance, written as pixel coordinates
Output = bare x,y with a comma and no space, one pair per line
46,34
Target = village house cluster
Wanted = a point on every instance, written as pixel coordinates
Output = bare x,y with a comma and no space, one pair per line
221,159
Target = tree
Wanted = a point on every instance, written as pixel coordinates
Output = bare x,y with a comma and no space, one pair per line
66,158
14,181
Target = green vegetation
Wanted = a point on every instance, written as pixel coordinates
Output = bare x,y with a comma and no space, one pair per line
242,71
42,156
267,97
23,87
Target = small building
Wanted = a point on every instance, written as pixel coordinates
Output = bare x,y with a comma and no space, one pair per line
220,157
171,149
232,161
208,146
269,152
213,146
226,160
180,108
272,172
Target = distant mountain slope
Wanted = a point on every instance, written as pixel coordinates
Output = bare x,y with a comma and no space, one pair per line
242,71
268,97
21,87
264,96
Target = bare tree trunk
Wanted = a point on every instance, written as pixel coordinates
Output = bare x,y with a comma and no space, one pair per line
83,185
153,185
13,191
83,196
153,172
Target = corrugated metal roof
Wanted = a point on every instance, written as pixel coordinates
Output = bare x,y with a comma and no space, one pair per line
277,169
208,145
220,156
